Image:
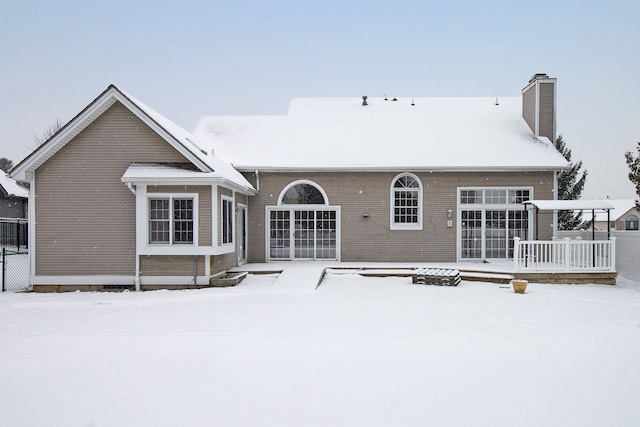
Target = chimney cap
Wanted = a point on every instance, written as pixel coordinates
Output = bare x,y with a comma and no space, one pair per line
538,76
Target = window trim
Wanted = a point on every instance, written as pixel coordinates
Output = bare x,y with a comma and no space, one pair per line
171,197
303,181
227,239
484,207
292,209
627,222
392,198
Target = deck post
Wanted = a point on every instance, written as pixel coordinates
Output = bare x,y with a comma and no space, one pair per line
567,253
612,249
516,252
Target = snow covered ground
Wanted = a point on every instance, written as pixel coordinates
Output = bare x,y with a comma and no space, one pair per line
355,352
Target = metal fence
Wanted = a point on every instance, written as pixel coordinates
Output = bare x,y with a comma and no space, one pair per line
14,234
14,259
15,270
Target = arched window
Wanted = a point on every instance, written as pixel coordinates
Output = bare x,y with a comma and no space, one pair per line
303,193
406,203
631,223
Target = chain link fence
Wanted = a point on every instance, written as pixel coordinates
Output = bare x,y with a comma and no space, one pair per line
15,270
14,259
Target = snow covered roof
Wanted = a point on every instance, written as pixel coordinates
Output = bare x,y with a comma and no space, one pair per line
620,207
219,167
163,174
408,134
180,139
11,188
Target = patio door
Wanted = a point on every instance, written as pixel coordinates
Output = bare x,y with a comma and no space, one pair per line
489,220
303,233
471,234
489,234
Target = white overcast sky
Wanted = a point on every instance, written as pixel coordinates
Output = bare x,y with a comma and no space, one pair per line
190,58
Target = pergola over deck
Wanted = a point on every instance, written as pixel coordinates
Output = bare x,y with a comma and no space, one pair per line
566,255
573,205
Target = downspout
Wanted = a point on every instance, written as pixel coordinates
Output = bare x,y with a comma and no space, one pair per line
554,218
257,180
136,279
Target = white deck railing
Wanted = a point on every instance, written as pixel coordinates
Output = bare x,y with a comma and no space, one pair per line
564,255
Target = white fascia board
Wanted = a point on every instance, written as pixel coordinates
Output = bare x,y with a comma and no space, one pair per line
157,128
542,168
117,280
173,280
84,119
223,182
82,280
184,250
66,134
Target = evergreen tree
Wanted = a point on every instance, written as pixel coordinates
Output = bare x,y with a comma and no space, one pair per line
570,186
634,171
5,164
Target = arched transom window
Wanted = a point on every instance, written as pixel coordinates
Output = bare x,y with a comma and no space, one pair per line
631,223
406,203
303,193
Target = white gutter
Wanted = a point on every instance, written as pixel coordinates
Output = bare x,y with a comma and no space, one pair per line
257,181
356,169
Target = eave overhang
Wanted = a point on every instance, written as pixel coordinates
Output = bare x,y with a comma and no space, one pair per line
24,171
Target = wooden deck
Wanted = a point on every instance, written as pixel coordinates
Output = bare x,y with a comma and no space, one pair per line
500,273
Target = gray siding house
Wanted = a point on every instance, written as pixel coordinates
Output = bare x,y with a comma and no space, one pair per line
124,197
382,179
13,198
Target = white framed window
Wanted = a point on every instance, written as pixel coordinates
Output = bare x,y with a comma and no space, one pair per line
489,219
303,226
631,223
303,192
172,219
406,202
227,220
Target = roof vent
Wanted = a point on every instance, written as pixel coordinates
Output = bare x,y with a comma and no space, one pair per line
364,100
394,99
413,102
497,103
386,98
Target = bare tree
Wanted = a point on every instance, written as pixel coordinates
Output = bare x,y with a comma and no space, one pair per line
51,130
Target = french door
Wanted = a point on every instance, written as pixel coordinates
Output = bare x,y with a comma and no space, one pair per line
303,233
489,233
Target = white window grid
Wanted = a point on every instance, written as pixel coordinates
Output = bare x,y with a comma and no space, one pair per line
227,220
406,202
489,219
171,220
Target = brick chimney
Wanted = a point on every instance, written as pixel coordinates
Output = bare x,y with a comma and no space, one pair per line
539,105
